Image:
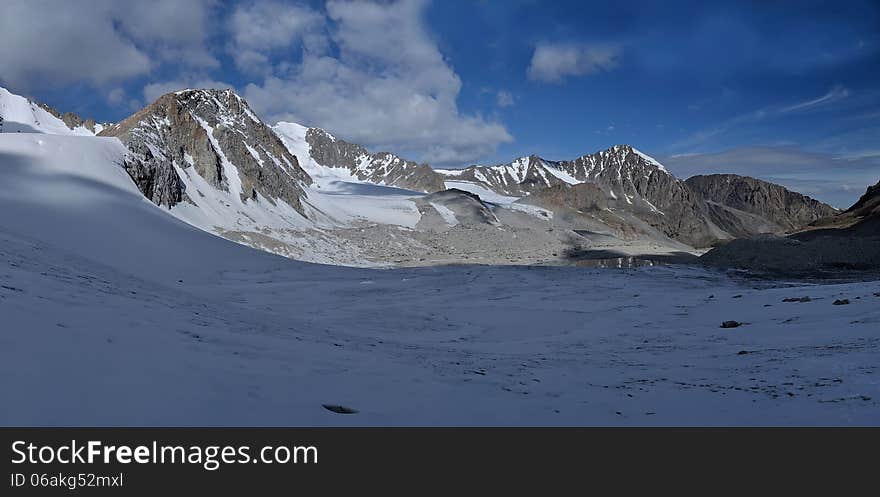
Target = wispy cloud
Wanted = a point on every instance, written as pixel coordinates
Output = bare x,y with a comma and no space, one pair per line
504,99
834,95
552,63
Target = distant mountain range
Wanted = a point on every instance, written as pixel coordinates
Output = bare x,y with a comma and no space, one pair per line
207,157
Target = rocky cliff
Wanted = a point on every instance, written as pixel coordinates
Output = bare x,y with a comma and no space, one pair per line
831,247
381,168
583,197
730,194
214,134
631,181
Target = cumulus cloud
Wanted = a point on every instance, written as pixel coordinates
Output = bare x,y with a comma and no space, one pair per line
370,71
260,28
385,84
53,42
552,63
504,98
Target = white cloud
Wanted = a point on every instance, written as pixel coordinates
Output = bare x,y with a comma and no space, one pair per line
386,85
259,28
552,63
833,95
54,42
700,137
115,96
504,98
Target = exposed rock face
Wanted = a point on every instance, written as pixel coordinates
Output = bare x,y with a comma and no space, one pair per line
521,177
868,204
740,224
847,241
382,167
584,197
215,133
786,209
72,120
457,207
631,180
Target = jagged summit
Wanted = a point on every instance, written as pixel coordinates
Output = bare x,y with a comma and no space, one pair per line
190,140
324,151
632,181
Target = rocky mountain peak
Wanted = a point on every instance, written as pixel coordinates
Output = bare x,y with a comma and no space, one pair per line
190,136
386,168
729,193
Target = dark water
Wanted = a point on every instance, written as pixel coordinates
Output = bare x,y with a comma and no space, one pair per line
619,263
612,260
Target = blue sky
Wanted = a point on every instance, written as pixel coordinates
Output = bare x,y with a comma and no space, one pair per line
787,91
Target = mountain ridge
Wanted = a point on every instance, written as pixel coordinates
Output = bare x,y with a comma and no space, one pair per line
209,132
300,192
383,168
788,210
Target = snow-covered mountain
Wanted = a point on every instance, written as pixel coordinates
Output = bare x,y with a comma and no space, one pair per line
633,182
113,310
21,115
189,144
301,192
618,169
207,158
327,154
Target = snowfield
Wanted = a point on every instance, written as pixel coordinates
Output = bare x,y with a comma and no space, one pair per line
116,313
19,115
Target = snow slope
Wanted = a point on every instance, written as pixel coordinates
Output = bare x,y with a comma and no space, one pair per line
484,193
69,191
20,115
339,198
115,313
293,136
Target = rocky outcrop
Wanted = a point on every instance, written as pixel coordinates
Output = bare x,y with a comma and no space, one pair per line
631,181
830,247
730,194
457,207
521,177
215,134
583,197
72,120
868,204
24,115
381,168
